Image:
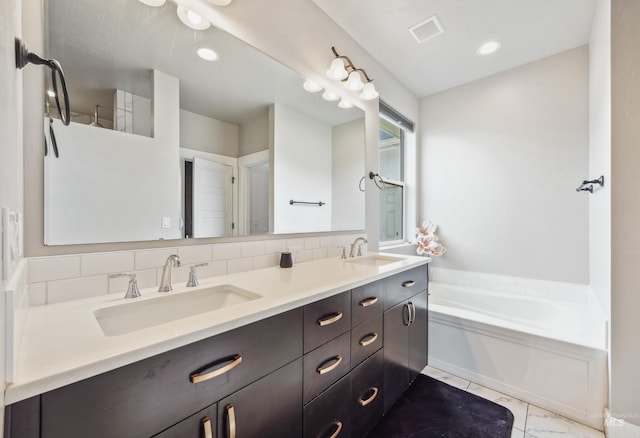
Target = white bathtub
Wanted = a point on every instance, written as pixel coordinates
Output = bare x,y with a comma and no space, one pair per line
549,353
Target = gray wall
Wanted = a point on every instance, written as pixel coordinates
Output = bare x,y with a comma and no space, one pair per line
625,210
501,158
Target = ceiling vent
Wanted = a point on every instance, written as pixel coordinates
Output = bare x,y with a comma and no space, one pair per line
427,29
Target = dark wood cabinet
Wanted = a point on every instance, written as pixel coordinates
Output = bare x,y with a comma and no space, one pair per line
330,368
268,408
405,345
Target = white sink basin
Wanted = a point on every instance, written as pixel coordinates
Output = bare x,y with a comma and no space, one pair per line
375,260
137,315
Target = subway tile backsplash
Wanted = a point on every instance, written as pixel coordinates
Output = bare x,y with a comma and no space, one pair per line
69,277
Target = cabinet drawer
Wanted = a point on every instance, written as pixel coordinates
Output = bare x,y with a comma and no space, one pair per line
325,365
406,284
326,319
268,408
200,425
148,396
366,302
329,415
366,339
367,382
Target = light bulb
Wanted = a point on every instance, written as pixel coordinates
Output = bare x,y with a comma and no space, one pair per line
354,83
369,92
154,3
345,104
311,86
51,93
337,70
192,19
330,96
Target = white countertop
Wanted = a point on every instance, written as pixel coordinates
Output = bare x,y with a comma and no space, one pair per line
63,343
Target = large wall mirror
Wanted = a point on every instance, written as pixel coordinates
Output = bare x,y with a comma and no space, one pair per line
166,145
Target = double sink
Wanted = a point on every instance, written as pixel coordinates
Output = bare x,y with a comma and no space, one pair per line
136,315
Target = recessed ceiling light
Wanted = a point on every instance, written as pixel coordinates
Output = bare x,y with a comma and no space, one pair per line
191,19
207,54
489,47
155,3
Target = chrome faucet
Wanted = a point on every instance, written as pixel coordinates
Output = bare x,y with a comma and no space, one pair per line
356,246
165,283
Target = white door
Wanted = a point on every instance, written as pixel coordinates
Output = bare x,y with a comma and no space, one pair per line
212,198
259,199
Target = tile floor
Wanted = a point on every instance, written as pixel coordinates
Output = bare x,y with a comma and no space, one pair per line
529,421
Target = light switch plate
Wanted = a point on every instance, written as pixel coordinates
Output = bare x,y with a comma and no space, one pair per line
166,222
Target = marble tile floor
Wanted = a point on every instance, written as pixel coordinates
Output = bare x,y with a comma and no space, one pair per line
529,421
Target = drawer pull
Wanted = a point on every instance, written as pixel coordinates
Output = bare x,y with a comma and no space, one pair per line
330,319
337,360
206,427
372,397
231,421
408,283
338,426
235,360
368,339
368,301
406,314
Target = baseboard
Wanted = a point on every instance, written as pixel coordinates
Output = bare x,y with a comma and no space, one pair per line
619,428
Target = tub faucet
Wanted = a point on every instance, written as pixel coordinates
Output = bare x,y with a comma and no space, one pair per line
356,246
165,283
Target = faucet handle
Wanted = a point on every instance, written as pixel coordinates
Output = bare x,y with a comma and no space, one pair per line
360,250
132,289
343,252
193,278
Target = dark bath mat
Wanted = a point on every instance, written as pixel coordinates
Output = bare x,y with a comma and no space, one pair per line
430,408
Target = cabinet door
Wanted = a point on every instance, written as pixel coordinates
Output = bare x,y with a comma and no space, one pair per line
367,395
270,407
200,425
418,334
396,353
22,419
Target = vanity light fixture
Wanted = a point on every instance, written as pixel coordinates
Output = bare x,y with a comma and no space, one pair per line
311,86
330,96
220,2
207,54
154,3
489,47
191,19
342,69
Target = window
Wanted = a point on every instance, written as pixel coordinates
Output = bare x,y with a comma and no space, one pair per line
391,142
391,151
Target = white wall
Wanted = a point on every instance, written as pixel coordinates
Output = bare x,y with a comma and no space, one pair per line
501,159
208,135
347,151
625,210
301,172
118,171
254,134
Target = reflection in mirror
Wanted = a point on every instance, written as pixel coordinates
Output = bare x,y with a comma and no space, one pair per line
188,148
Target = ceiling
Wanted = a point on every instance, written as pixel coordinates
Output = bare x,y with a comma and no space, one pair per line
528,30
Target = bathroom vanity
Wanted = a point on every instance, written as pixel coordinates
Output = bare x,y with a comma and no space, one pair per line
325,361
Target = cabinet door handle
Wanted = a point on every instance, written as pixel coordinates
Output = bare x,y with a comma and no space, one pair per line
338,426
372,397
206,427
330,319
412,312
406,314
368,339
368,301
408,283
231,421
234,361
337,360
